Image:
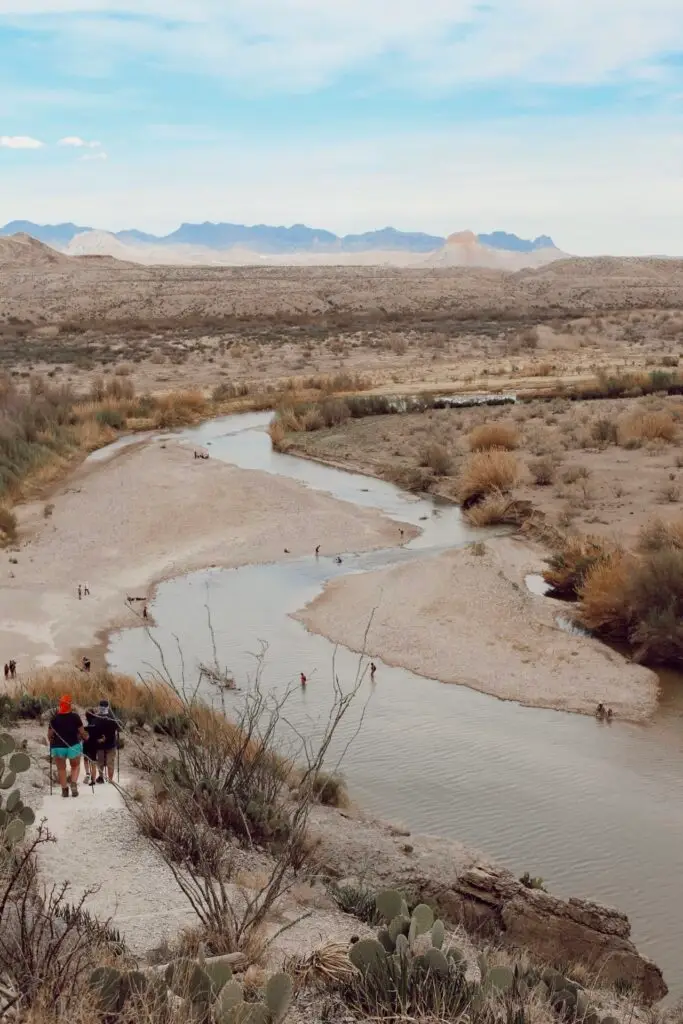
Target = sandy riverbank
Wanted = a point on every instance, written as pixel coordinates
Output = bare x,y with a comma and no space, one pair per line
147,513
469,619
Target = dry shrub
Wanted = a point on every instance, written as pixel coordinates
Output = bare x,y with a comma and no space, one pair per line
330,789
493,435
603,592
437,458
604,431
647,426
334,412
485,472
313,419
568,566
8,526
187,842
638,598
543,471
495,509
179,409
658,534
278,434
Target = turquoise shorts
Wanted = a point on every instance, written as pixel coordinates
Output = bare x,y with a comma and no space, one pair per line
71,753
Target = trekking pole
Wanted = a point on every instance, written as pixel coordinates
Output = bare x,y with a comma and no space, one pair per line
118,764
50,771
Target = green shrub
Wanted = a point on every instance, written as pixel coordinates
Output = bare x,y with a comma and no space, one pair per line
111,418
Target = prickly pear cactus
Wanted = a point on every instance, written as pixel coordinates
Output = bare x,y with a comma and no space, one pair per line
15,817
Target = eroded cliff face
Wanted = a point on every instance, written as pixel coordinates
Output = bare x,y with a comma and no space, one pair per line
487,900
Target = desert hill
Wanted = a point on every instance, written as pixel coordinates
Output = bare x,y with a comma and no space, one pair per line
37,282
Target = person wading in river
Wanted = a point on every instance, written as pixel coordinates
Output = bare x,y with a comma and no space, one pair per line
65,736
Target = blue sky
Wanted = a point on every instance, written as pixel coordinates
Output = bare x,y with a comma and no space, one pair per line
561,117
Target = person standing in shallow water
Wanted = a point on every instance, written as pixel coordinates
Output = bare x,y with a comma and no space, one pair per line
65,736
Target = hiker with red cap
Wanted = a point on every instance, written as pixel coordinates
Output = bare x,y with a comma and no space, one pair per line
65,736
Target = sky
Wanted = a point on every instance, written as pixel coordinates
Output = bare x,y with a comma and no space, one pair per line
559,117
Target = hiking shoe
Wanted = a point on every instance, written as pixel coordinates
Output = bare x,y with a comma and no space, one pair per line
100,780
74,789
65,791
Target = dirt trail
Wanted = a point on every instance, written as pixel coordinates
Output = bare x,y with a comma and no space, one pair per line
99,848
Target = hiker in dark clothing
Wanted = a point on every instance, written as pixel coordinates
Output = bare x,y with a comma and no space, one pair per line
373,669
108,740
86,663
91,747
13,668
65,736
6,671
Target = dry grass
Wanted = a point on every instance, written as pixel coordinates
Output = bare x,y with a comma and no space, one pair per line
437,458
647,426
637,598
658,534
493,435
495,509
568,566
149,700
485,472
604,595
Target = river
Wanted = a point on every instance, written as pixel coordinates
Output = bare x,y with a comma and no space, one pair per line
595,809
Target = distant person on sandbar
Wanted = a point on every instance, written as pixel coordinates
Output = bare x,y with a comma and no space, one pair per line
338,560
144,613
303,679
65,736
86,663
317,551
610,714
600,710
6,671
13,668
86,590
373,669
80,592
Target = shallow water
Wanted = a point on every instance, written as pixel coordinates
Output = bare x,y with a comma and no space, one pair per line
596,809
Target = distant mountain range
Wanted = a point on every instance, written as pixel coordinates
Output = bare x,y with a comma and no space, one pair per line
266,239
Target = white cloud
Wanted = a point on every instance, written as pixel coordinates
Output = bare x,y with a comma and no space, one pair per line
304,44
78,143
19,142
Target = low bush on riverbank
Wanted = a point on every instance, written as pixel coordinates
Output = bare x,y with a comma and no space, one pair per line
568,566
637,598
633,597
640,427
493,435
486,472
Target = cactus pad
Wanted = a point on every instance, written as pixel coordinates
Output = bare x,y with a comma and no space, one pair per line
19,762
7,744
436,962
15,832
438,934
423,916
500,978
279,995
366,954
8,780
389,903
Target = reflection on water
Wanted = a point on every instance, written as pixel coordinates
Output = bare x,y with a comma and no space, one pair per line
594,808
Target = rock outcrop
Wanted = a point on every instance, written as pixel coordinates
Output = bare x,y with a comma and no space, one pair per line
487,900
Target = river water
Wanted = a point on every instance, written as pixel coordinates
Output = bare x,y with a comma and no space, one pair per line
595,809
